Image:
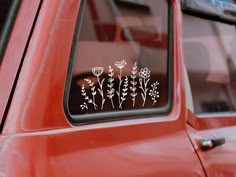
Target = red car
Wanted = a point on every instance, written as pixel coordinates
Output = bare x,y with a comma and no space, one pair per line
118,88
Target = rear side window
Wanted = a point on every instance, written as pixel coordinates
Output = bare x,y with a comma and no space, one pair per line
120,60
210,58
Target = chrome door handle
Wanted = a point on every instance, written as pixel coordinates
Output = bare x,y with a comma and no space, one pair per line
206,145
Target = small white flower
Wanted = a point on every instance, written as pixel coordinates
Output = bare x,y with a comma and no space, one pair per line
144,73
120,64
97,71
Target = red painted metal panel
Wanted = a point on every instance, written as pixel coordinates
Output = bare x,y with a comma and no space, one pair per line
219,161
15,49
144,150
210,122
38,101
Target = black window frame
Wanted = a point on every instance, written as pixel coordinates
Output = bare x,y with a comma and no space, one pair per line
8,26
119,115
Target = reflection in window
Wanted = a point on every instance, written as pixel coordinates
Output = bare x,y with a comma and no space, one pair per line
210,59
121,57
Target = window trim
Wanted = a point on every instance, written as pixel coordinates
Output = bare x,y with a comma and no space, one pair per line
8,26
119,115
218,12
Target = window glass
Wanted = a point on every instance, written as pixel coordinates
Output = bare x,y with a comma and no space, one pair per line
210,58
4,8
120,60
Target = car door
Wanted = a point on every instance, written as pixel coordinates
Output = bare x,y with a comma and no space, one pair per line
210,60
14,35
65,119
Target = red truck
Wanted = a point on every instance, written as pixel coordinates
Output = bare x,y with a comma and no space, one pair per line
118,88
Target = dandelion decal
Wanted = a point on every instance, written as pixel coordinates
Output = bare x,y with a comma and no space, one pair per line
97,71
86,97
110,86
153,92
133,88
92,87
120,65
124,91
143,81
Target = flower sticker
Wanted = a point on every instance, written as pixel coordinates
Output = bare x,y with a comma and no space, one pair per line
110,85
86,98
92,87
97,71
119,89
120,64
133,83
124,93
153,92
144,73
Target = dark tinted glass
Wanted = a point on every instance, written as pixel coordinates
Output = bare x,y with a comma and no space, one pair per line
4,8
121,57
210,59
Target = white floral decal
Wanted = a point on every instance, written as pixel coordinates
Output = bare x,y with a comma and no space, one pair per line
133,82
110,85
86,98
143,81
124,91
120,65
128,87
153,92
97,71
91,84
84,106
144,73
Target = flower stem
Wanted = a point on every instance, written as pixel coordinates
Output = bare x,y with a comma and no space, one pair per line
112,103
120,82
144,92
95,106
101,92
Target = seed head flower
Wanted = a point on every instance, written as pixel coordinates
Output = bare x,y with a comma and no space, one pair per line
97,71
120,64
